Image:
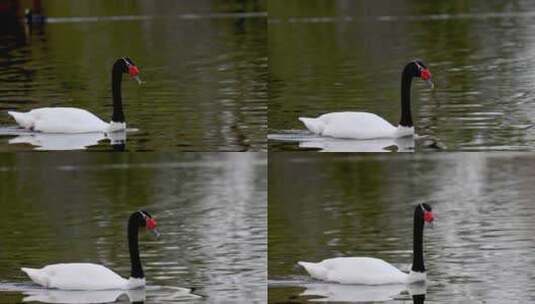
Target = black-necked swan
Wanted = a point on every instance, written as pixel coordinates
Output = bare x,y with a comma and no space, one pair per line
88,276
373,271
75,120
364,125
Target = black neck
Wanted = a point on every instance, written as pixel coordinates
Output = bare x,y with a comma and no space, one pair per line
418,299
116,78
417,246
406,117
135,261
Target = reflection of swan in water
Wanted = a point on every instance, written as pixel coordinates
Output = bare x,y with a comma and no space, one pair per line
353,293
330,144
418,292
55,141
402,144
330,292
152,293
82,296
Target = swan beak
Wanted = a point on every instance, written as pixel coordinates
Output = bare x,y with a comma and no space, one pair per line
430,83
155,232
139,81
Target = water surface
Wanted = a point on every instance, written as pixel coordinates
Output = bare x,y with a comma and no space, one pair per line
479,251
343,55
210,209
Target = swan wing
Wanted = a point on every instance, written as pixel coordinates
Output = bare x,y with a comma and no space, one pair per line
76,276
355,270
354,125
60,120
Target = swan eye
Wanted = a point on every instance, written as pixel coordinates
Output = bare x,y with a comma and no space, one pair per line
150,223
428,216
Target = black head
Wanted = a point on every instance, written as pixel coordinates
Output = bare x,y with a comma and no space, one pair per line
424,211
417,68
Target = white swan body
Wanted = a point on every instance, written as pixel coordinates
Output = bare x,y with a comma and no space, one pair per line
355,125
80,276
74,120
360,270
64,120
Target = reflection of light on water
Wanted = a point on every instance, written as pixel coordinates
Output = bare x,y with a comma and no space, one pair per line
151,17
431,17
233,227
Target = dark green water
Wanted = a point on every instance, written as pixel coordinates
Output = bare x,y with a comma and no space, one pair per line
328,56
210,209
204,63
479,251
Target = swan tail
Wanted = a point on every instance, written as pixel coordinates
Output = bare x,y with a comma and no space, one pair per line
23,119
314,125
316,271
35,275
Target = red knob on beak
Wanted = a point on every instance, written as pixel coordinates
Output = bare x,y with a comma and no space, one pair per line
133,70
150,223
428,216
425,74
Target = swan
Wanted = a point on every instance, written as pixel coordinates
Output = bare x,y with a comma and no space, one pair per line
373,271
88,276
364,125
75,120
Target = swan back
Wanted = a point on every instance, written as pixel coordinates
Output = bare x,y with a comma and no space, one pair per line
355,270
351,125
78,276
60,120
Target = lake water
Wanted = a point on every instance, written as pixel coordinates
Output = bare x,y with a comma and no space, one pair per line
480,249
204,64
347,55
210,209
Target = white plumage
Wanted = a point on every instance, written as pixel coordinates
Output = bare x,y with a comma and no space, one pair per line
63,120
360,270
80,276
354,125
